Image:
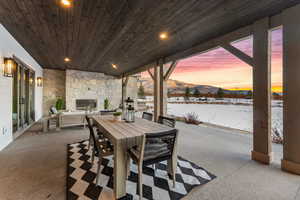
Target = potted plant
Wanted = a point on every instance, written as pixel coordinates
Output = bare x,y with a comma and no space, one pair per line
60,104
106,104
117,116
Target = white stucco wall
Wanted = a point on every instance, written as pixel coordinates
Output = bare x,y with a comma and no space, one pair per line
9,47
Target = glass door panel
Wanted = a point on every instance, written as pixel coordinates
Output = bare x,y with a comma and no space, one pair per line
31,97
23,97
15,99
21,78
26,97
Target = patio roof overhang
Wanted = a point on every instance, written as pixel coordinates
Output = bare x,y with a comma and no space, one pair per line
95,34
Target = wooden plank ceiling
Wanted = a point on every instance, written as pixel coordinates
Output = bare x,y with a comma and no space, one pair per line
97,33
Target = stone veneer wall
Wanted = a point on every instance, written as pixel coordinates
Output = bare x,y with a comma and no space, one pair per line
53,87
73,84
91,85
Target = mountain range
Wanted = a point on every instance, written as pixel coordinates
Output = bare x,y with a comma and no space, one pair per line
179,87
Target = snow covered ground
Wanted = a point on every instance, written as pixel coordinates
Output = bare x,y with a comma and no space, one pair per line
234,113
233,116
210,100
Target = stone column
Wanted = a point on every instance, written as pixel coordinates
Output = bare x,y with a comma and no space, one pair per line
262,150
291,85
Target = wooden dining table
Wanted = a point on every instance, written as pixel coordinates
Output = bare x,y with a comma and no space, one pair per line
123,136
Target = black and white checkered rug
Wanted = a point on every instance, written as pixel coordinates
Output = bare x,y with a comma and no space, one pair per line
157,184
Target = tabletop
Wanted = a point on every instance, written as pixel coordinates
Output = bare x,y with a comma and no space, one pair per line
121,130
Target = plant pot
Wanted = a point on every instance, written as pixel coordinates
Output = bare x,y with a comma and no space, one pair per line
118,118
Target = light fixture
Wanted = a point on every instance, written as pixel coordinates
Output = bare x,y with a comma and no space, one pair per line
66,3
31,81
114,66
39,81
9,66
163,35
67,59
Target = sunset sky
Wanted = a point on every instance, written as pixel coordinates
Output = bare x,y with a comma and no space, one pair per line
220,68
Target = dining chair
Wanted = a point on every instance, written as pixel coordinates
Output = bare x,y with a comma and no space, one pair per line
100,135
147,116
167,121
101,148
154,148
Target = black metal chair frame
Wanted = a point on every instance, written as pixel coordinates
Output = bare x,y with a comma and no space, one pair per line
147,116
167,121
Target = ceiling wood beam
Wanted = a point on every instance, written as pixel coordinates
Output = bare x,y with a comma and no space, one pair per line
238,53
141,68
170,70
275,21
201,48
150,73
211,44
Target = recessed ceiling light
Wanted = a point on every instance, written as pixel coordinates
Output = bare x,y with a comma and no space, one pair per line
163,35
114,66
66,3
67,59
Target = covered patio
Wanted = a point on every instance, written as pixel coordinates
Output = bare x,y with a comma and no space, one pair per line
87,54
34,167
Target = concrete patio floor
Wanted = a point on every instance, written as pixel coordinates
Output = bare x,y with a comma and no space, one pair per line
34,166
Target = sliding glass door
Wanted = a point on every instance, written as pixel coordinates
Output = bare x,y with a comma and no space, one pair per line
31,97
23,97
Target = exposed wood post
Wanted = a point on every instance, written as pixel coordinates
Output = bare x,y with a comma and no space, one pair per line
262,149
238,53
156,93
291,86
124,91
160,77
164,76
162,90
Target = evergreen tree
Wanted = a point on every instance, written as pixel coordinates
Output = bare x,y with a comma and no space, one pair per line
141,92
220,93
197,92
187,93
250,94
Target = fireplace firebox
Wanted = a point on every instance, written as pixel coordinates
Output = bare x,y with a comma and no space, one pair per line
86,104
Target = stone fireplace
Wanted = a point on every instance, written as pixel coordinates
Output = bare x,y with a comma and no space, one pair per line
90,85
86,104
80,89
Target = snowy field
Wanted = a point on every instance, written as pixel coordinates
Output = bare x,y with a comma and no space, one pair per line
233,116
234,113
148,99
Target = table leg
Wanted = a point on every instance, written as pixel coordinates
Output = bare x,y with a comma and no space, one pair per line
172,163
120,170
45,125
58,122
